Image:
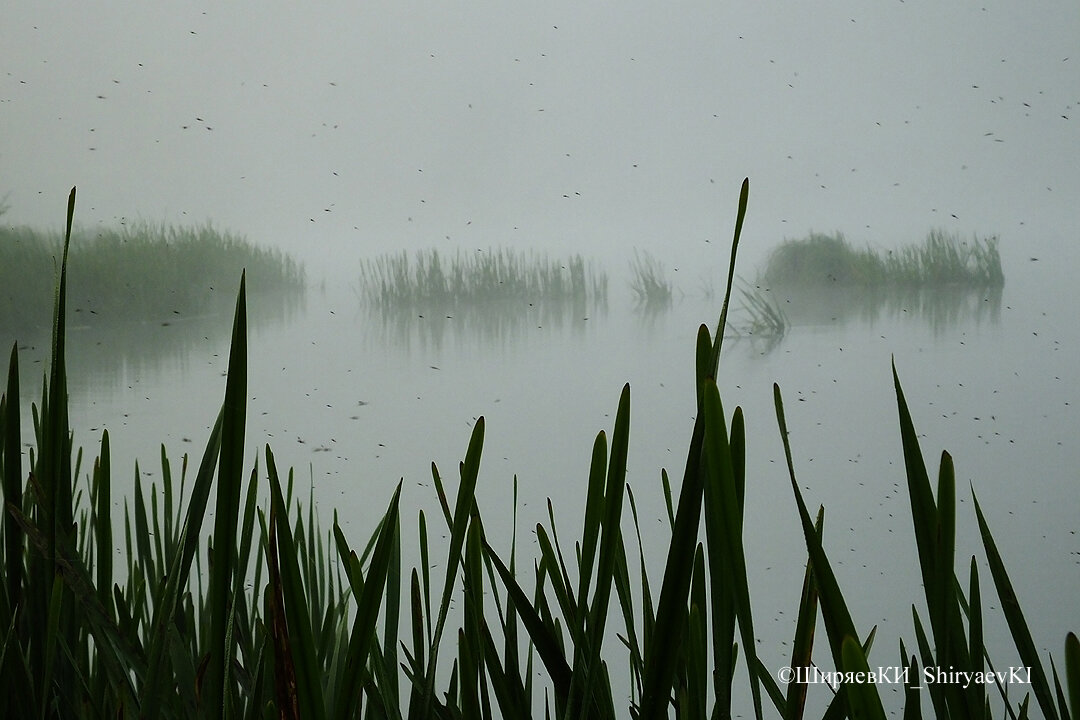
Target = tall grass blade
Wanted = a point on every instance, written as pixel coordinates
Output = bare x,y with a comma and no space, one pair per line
362,636
227,509
55,513
1072,672
11,445
546,641
300,642
838,623
723,525
803,645
179,568
671,606
459,522
863,699
977,691
594,505
1014,616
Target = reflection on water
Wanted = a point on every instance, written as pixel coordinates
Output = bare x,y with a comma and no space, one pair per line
491,324
104,353
941,308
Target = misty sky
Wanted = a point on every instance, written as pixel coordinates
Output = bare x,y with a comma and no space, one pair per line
341,130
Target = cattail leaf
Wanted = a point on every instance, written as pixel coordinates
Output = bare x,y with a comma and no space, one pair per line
227,510
863,698
300,642
1014,616
1072,672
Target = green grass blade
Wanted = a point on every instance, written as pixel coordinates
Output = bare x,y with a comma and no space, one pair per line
744,196
103,525
1059,692
460,520
587,654
803,645
723,525
1014,616
1072,672
11,443
660,649
52,647
594,504
924,512
301,643
227,508
977,691
546,642
671,606
913,686
863,698
157,667
838,622
362,636
696,650
392,613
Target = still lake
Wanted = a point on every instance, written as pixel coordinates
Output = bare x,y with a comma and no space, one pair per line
355,401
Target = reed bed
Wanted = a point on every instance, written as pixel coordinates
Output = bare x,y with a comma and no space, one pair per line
941,260
137,272
498,276
292,623
652,288
763,315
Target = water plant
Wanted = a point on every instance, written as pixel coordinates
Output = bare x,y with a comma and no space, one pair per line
942,259
649,282
764,316
498,276
138,271
286,627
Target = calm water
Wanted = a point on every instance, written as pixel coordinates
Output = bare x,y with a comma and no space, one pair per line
355,401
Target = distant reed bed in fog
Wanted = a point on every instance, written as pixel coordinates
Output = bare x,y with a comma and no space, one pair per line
429,278
942,259
138,271
649,281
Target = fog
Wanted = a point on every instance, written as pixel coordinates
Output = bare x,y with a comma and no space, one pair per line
348,129
342,131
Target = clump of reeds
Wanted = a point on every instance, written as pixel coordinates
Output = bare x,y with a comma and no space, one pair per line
763,315
652,287
286,628
138,271
500,276
941,260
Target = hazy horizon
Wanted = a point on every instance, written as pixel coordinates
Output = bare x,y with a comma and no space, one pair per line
341,131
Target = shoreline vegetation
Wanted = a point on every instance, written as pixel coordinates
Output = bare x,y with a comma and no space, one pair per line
138,272
429,279
942,260
297,622
492,294
823,278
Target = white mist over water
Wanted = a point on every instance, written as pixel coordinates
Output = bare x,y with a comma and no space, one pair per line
340,130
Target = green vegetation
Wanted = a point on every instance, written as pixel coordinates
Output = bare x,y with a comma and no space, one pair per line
284,629
138,272
392,282
941,260
652,287
763,315
493,294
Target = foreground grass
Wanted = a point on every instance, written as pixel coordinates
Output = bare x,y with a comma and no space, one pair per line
137,272
941,260
282,630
